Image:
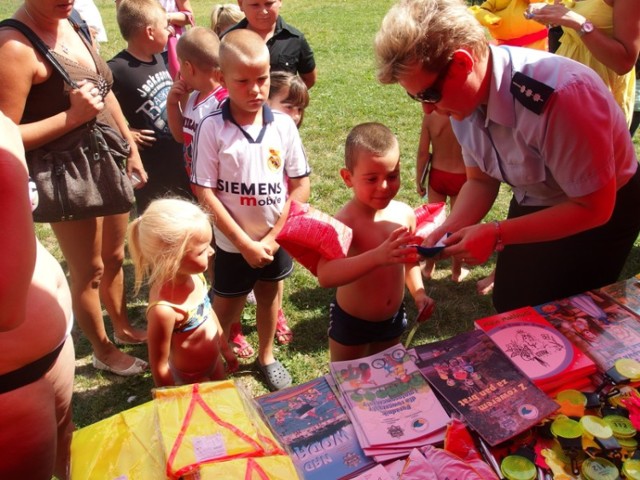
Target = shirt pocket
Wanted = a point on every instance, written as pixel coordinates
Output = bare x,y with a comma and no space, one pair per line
288,63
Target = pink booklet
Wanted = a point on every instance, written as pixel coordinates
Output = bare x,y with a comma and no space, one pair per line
537,348
387,397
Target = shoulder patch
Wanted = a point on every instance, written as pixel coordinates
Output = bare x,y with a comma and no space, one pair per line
530,92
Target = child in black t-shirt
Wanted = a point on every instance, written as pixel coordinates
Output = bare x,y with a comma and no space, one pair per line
141,84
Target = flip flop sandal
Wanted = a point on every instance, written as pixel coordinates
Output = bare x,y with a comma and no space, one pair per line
284,335
138,366
241,347
276,376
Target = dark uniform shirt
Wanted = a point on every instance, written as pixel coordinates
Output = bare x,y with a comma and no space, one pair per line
288,48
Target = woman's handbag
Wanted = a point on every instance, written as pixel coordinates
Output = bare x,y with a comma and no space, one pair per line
81,174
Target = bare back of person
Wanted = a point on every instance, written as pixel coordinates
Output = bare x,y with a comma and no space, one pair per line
376,296
38,429
48,314
446,151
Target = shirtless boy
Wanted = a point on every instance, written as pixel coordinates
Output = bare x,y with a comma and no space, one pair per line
368,314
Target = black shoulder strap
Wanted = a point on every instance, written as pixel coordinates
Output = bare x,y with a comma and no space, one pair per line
80,25
40,46
530,92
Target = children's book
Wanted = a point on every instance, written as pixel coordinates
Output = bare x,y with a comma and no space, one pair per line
537,348
312,424
625,292
601,328
480,382
388,398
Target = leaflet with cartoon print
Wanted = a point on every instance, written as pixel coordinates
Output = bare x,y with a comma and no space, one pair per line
388,398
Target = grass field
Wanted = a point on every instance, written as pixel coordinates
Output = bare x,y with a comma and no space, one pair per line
341,33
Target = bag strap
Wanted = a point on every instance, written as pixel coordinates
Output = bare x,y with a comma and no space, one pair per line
80,25
40,47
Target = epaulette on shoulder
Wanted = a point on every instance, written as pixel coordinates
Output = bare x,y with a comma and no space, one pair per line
530,92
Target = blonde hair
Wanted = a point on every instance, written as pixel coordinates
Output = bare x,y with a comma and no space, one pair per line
242,46
371,137
224,16
134,16
159,238
200,47
425,32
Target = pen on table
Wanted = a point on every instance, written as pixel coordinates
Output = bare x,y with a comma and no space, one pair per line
489,458
542,475
414,329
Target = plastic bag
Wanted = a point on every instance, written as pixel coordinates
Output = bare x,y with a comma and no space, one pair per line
209,422
428,217
124,446
309,234
275,467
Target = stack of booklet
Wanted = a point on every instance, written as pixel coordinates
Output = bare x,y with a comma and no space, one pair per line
391,405
365,411
625,292
477,379
540,350
597,324
316,431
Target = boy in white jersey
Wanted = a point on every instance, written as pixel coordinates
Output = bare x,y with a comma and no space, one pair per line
242,153
197,90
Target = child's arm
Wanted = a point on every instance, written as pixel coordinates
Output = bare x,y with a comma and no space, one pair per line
175,101
134,162
184,15
256,253
309,78
423,157
415,285
414,282
341,271
160,324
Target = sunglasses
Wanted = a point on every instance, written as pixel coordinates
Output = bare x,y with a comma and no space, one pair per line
432,94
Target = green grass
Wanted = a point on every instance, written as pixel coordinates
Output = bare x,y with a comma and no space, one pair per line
341,33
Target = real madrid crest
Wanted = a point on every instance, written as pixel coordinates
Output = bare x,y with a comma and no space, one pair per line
274,161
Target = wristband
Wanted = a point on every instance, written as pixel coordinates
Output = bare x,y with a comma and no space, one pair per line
499,245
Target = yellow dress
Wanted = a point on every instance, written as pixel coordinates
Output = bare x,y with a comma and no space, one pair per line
506,23
571,46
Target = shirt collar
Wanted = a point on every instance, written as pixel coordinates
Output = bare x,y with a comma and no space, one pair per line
501,104
280,25
267,113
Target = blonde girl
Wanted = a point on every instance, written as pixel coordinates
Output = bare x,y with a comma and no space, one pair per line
225,15
170,245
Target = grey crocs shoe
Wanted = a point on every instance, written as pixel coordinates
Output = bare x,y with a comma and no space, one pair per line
276,376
